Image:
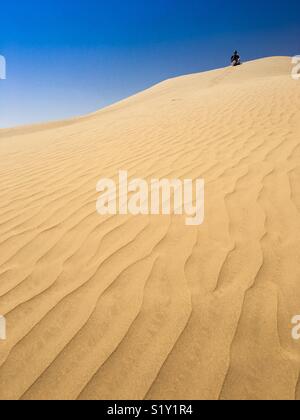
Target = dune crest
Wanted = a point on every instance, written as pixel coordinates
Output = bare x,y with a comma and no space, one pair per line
125,307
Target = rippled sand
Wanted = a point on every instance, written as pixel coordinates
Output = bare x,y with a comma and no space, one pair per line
124,307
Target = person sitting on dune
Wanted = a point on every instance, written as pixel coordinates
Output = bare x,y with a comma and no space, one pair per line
236,59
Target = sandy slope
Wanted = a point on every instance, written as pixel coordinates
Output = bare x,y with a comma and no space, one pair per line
145,307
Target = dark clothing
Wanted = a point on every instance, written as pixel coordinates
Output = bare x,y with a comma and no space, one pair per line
235,57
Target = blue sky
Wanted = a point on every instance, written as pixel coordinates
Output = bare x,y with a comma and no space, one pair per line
72,57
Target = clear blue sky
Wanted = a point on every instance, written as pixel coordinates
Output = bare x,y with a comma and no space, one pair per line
71,57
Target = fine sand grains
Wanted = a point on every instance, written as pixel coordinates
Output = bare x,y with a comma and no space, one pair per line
125,307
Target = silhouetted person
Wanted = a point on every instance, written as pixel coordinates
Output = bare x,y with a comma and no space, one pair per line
236,59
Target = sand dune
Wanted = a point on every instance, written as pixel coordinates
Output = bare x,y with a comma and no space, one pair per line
124,307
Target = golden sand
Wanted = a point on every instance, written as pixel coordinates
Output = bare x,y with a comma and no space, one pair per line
124,307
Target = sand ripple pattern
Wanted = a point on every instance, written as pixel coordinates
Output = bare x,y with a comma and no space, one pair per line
145,307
